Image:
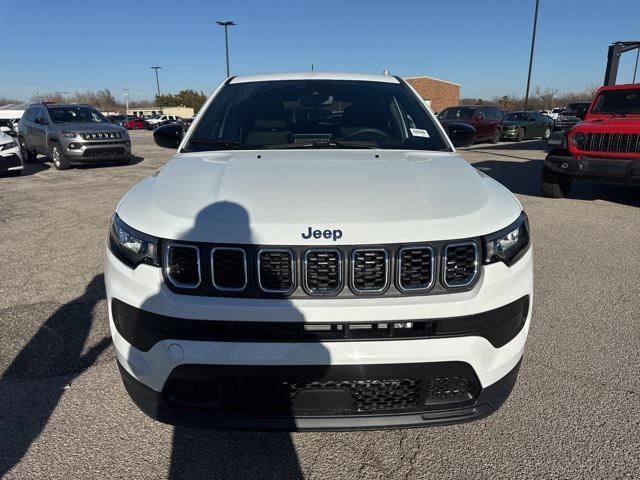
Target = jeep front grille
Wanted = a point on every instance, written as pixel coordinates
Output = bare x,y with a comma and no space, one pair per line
323,271
100,135
369,270
613,142
460,264
254,271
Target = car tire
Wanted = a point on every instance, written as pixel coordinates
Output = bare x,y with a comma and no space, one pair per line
555,184
546,134
27,156
496,136
57,156
520,136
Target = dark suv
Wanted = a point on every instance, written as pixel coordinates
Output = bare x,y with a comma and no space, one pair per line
71,134
485,119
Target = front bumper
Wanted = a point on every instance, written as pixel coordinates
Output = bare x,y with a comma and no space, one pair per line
510,134
149,368
98,151
10,161
624,170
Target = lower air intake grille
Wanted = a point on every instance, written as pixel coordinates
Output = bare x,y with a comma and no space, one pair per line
323,271
369,270
461,264
415,268
447,390
229,269
183,265
276,270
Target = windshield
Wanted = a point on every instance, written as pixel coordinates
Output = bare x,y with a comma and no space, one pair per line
576,108
79,114
457,113
617,101
315,114
515,116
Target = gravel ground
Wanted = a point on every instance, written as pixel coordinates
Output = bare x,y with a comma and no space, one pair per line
574,412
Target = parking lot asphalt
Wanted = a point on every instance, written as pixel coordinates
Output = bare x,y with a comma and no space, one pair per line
574,413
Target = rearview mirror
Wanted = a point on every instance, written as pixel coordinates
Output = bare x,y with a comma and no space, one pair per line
41,121
168,136
461,134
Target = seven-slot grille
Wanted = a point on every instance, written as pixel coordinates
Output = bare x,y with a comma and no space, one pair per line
369,270
613,142
255,272
460,264
229,269
323,271
182,265
415,268
276,270
100,135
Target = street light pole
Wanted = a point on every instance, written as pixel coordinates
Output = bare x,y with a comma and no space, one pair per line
226,24
533,44
157,81
126,100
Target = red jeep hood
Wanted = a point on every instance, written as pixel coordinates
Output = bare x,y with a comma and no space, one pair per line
629,124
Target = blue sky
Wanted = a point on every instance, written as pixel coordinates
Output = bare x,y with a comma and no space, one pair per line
76,45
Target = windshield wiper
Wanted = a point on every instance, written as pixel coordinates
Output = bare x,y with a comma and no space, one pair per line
327,144
221,144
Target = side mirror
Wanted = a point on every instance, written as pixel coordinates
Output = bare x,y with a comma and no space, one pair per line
168,136
41,121
461,134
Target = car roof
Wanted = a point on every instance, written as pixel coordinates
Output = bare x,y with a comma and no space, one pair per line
622,86
364,77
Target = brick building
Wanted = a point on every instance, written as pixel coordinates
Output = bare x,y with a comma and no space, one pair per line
439,94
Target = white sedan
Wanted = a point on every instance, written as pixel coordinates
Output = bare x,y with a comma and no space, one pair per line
10,156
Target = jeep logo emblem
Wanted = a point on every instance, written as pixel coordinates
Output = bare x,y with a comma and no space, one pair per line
334,234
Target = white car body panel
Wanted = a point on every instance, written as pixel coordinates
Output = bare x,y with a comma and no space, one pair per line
4,139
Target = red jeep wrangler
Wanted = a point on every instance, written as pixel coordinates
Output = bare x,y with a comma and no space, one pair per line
605,146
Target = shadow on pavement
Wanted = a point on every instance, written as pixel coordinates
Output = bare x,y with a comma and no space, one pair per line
34,382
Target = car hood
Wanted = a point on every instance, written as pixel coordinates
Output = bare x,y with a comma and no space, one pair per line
274,196
630,124
88,127
513,123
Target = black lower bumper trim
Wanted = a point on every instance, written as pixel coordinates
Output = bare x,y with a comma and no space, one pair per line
626,170
157,406
9,161
144,329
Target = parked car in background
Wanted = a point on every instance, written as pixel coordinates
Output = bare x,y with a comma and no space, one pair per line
571,115
73,133
520,126
486,120
604,146
553,114
170,121
134,123
10,156
117,119
9,126
158,120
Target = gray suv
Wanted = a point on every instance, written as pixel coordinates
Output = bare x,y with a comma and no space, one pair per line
71,134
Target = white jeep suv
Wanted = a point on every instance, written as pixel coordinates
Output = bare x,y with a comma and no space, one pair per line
316,256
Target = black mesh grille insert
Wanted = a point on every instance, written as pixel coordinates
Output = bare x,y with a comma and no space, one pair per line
369,270
276,270
416,268
461,264
182,265
229,268
323,271
447,390
279,397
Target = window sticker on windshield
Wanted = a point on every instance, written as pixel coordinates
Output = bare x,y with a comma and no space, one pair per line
418,132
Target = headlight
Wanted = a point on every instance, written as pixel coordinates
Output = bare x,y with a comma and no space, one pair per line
130,246
579,139
9,145
69,134
509,244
